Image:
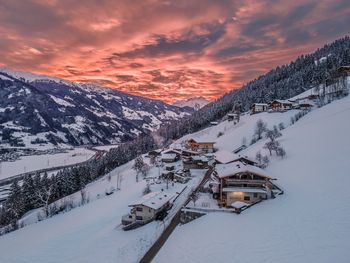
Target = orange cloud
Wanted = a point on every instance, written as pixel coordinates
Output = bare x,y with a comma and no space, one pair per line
164,50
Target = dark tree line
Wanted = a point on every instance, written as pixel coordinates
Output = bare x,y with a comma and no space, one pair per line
283,82
42,190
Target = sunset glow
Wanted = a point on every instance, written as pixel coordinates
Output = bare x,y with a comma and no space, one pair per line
165,50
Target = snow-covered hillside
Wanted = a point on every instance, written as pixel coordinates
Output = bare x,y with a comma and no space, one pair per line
93,232
309,223
40,112
195,103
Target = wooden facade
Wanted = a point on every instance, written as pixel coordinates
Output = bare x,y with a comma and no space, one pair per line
245,183
259,107
200,146
281,105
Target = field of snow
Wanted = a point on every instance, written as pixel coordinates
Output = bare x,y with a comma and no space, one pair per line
93,233
36,162
309,223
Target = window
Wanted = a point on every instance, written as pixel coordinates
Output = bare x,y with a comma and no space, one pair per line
255,195
139,209
138,217
247,198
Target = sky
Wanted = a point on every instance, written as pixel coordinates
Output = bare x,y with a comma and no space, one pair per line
166,50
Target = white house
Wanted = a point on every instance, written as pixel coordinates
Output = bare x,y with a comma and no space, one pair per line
147,208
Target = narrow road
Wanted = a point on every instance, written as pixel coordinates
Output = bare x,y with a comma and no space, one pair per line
9,180
152,252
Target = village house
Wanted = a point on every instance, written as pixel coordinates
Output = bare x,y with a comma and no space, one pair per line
242,182
200,145
154,153
195,162
225,157
304,106
148,208
233,117
259,107
188,153
169,158
281,105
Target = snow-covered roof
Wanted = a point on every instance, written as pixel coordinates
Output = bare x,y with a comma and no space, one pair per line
172,150
168,156
239,204
225,170
190,151
224,156
260,104
202,140
200,158
154,200
282,101
244,190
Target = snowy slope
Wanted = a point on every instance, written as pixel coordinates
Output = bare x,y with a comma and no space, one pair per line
195,103
92,233
233,134
309,223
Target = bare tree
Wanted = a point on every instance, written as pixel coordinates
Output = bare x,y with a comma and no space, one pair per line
265,161
119,181
281,152
43,196
260,128
258,157
281,126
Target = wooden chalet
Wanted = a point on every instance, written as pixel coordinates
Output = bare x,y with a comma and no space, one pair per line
169,158
200,146
281,105
195,162
258,107
304,106
188,153
154,153
147,208
233,117
242,182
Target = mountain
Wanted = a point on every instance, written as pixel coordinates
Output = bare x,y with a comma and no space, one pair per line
282,82
195,103
38,110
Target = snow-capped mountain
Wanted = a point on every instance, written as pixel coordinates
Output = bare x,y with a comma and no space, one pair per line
195,103
35,110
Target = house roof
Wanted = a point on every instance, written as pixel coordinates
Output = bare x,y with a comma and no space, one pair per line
224,156
168,156
244,190
190,151
172,151
200,141
200,158
226,170
154,200
282,101
260,104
